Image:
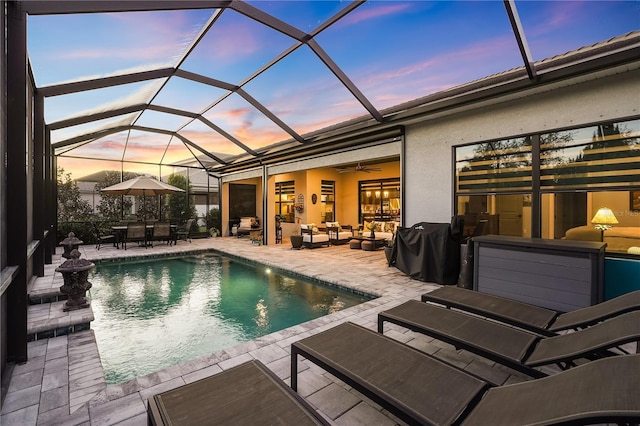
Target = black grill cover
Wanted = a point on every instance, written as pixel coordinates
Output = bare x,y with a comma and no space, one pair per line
430,251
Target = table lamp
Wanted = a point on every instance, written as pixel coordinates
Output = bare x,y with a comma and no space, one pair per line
603,220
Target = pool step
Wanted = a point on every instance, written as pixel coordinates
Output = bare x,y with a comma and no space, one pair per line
45,320
46,316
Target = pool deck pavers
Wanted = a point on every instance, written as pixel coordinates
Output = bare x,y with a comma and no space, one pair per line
62,383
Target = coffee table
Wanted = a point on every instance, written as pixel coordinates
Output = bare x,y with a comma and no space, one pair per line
376,243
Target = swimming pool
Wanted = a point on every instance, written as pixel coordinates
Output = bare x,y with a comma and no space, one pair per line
156,313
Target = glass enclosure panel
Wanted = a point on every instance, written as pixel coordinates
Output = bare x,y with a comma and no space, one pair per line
602,156
240,119
388,48
70,46
572,215
494,166
495,214
380,200
99,100
555,27
285,200
327,200
320,100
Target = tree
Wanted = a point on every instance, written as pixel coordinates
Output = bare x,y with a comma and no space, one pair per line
181,207
71,207
114,207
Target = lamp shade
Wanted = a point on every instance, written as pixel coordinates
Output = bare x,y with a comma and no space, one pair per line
604,216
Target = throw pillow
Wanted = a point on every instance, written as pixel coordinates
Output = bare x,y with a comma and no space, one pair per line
389,227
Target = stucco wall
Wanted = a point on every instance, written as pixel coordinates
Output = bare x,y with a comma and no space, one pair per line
429,181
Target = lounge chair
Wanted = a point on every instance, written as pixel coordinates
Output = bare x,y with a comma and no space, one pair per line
540,320
248,394
419,389
509,346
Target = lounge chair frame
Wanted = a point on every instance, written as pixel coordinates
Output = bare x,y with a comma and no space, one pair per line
529,317
420,389
518,349
219,400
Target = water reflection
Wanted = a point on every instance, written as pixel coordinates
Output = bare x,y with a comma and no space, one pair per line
150,315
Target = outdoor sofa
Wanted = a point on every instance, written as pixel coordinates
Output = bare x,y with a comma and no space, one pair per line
515,348
420,389
530,317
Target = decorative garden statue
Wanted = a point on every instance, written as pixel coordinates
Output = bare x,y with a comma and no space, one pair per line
75,272
70,243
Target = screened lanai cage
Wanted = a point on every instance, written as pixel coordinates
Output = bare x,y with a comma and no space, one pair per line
210,88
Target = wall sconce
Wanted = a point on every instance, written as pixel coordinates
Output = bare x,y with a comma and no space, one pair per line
377,194
603,220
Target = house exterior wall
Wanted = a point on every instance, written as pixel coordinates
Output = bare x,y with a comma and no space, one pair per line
428,157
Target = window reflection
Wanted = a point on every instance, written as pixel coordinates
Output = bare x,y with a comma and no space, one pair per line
569,216
581,170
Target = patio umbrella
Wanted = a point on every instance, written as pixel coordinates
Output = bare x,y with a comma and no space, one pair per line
141,186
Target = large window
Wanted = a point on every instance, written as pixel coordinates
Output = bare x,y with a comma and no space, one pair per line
380,200
552,185
327,200
242,200
285,200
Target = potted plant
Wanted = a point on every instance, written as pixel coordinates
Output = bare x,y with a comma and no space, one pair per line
296,238
372,228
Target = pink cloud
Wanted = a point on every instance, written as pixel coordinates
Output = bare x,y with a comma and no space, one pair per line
372,11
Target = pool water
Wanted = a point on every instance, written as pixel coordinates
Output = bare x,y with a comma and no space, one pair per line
157,313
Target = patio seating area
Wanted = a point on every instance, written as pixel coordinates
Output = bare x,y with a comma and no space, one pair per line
48,389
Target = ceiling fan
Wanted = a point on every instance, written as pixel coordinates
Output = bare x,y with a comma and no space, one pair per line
358,168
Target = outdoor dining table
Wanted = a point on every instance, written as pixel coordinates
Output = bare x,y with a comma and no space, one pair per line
121,230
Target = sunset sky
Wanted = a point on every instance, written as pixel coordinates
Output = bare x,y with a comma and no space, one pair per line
394,51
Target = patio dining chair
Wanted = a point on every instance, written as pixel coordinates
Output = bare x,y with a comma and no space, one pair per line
161,232
102,238
184,233
421,389
136,232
